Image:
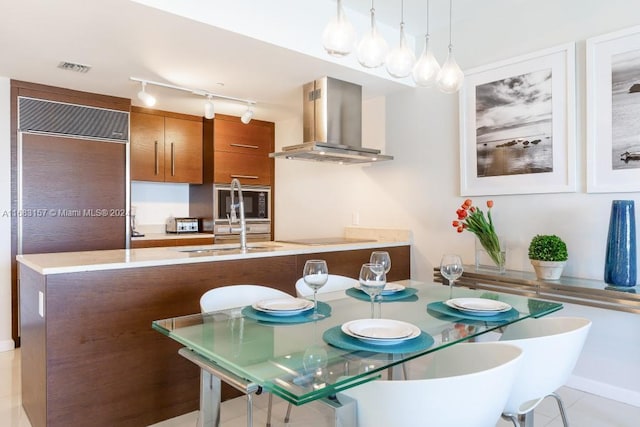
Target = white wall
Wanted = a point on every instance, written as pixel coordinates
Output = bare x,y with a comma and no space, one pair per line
154,202
419,189
6,343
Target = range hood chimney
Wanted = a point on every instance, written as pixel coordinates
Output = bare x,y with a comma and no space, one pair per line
332,125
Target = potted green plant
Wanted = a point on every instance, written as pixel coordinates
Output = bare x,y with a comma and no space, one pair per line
548,255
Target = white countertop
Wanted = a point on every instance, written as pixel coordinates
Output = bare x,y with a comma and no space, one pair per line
74,262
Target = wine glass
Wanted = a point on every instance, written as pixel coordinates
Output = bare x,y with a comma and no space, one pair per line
383,258
372,281
315,275
451,269
314,362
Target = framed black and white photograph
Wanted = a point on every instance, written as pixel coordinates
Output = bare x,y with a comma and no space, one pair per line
517,125
613,112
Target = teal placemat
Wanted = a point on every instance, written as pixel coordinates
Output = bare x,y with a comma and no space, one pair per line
440,307
407,295
337,338
252,313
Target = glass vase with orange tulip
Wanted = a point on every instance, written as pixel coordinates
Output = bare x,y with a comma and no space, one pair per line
473,219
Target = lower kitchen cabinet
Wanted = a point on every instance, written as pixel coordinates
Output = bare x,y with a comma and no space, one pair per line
94,359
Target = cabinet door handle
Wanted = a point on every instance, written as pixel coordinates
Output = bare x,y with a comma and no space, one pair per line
155,156
254,147
173,162
245,176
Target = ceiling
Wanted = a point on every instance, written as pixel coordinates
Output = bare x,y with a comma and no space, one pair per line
122,39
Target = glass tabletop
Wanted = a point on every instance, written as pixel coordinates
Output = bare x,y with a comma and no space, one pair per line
301,362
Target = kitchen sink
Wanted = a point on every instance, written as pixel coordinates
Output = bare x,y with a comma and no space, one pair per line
213,251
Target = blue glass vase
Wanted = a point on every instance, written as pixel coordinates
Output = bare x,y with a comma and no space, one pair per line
620,262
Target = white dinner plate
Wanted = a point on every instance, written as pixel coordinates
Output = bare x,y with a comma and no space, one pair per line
478,306
283,306
389,288
381,331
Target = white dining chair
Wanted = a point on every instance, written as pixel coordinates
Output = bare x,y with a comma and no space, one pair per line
463,385
551,348
236,296
334,283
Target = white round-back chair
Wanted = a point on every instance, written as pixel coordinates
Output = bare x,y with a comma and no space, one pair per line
334,283
551,348
464,385
236,296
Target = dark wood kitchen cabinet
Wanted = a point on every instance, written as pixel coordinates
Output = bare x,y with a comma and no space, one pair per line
165,146
242,150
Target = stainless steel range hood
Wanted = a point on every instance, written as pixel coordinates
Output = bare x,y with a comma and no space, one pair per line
332,125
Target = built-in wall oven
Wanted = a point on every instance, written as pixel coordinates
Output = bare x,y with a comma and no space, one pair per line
257,212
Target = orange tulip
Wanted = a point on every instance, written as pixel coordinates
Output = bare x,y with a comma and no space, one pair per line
489,204
456,223
467,203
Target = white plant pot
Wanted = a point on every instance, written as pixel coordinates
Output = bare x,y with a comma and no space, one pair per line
548,270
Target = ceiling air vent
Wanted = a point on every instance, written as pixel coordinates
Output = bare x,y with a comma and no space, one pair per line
70,66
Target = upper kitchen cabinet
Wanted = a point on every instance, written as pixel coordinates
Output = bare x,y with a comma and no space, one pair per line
242,150
165,146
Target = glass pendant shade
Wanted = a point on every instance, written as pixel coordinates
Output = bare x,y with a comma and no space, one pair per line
451,76
401,59
426,69
339,36
372,49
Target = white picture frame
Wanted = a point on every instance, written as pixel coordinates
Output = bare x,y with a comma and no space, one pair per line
609,58
526,168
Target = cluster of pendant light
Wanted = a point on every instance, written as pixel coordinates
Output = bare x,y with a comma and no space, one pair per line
209,108
339,39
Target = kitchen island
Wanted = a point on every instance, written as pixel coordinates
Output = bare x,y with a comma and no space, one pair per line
89,355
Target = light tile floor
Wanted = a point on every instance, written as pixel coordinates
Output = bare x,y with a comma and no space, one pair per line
584,409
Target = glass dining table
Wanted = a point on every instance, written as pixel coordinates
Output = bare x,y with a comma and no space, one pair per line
302,360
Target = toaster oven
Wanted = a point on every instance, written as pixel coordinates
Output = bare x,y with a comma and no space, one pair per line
182,225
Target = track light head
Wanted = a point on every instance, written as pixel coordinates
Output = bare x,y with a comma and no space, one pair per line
247,116
148,99
209,111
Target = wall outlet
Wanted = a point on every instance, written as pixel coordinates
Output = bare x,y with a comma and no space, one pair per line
355,218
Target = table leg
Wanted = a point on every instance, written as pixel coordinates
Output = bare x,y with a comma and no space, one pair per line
210,392
211,377
344,409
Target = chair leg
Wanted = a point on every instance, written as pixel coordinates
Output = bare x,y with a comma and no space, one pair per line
520,420
287,417
512,418
563,414
269,410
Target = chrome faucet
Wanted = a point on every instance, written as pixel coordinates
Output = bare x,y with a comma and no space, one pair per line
234,218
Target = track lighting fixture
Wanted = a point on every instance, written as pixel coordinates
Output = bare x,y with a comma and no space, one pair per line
209,109
209,112
248,115
148,99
